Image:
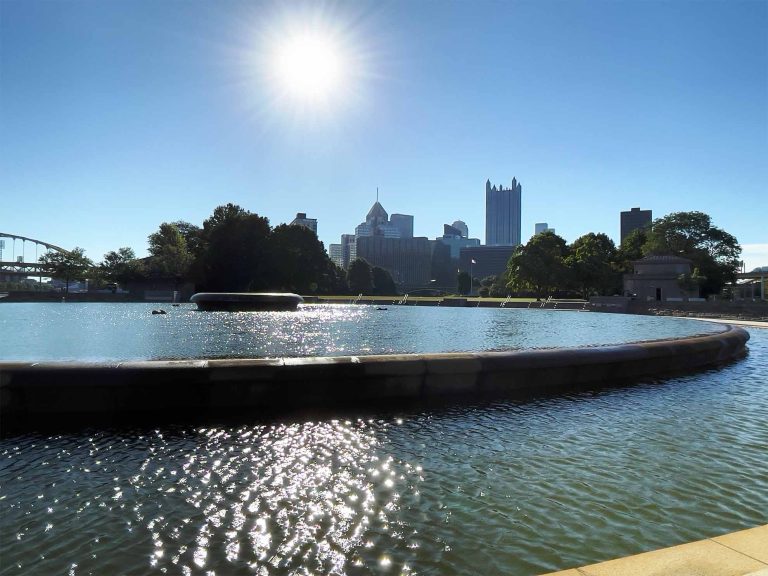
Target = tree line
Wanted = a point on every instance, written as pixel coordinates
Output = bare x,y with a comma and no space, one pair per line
234,250
593,265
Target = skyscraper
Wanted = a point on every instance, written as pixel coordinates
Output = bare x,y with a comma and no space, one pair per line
455,237
377,223
633,220
404,223
348,249
336,253
302,220
540,227
502,214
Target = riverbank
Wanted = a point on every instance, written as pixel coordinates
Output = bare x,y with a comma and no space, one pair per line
743,553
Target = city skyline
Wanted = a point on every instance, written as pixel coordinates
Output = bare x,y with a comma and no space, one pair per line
115,117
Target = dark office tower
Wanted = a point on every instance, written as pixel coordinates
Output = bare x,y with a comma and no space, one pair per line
502,214
408,260
404,223
633,220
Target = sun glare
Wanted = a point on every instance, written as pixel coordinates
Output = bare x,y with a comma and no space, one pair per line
308,67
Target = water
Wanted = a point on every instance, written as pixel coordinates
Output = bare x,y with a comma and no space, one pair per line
98,332
510,487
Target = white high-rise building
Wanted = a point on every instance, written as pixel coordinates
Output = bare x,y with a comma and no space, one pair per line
336,253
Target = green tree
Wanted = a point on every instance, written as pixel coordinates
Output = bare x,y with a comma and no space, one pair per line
223,214
590,263
464,283
121,266
360,276
691,283
485,286
235,251
631,249
539,266
169,255
299,260
692,235
193,236
334,280
383,284
68,266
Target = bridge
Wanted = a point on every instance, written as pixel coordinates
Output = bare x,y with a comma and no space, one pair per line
17,267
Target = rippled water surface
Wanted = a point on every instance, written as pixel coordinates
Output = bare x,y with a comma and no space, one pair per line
54,331
517,487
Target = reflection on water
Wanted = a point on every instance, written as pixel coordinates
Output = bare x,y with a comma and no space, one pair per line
54,331
515,487
312,497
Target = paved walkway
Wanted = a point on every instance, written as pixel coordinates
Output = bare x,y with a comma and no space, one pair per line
742,553
749,323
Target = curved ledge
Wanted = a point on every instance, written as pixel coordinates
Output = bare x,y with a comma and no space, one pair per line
246,301
49,393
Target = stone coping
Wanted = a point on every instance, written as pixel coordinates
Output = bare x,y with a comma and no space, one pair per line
34,394
748,323
743,553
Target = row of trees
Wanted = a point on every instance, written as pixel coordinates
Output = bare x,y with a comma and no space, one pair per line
234,250
593,264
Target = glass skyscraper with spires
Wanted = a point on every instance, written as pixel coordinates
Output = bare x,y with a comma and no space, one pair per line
502,214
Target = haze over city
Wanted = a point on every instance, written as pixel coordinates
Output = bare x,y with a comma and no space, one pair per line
115,117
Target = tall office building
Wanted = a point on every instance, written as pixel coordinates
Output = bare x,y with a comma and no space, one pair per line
388,242
404,223
482,261
377,223
336,253
633,220
408,260
456,238
302,220
348,249
502,214
540,227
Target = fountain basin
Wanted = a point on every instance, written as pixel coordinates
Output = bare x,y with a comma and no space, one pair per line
41,393
246,301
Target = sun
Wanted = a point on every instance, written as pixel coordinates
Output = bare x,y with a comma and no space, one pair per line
308,66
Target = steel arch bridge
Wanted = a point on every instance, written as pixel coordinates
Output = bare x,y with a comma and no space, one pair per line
16,266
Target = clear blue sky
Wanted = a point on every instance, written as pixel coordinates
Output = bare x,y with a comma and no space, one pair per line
116,116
